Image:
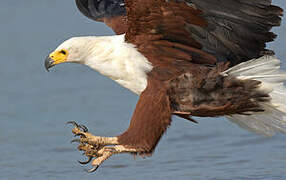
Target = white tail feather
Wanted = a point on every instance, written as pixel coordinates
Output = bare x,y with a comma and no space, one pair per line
267,70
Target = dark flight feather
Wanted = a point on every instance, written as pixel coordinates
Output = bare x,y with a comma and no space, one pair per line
111,12
98,9
237,30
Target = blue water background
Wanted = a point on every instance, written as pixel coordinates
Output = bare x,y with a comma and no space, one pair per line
35,105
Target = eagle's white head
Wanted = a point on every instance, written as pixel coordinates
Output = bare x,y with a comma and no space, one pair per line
109,55
79,50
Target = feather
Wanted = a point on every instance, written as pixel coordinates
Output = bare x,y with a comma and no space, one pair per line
237,29
111,12
97,9
273,118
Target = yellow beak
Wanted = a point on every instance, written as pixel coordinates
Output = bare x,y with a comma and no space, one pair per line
56,57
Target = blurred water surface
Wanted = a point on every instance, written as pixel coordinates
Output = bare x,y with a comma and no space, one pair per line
35,105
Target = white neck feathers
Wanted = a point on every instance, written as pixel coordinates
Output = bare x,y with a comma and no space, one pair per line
118,60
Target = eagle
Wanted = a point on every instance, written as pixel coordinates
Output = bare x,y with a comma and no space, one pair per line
186,58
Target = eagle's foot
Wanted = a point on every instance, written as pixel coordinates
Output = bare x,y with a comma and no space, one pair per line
106,152
100,148
101,154
93,146
87,138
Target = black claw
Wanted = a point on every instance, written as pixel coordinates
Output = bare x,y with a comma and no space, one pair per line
92,169
75,140
83,127
73,123
80,134
86,162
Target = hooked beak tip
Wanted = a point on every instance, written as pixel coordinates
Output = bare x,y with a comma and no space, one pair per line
49,63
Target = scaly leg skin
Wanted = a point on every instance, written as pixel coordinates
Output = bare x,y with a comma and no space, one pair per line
95,146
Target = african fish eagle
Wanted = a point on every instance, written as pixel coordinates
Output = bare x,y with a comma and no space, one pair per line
182,57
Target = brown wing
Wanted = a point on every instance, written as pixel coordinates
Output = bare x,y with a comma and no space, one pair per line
158,29
202,31
150,119
111,12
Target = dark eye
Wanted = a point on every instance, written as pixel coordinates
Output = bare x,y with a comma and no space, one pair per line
63,52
